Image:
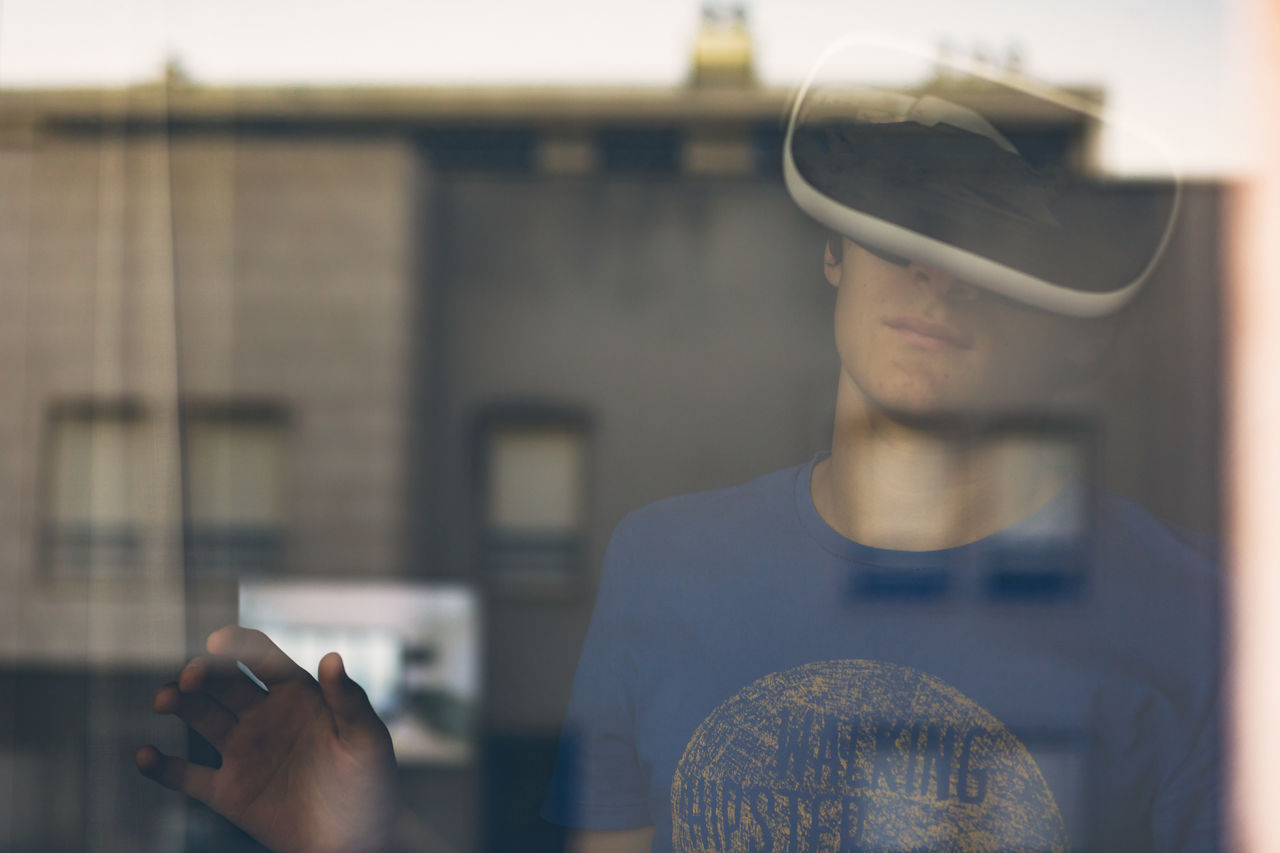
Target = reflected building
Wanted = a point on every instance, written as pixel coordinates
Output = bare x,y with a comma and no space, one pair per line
436,334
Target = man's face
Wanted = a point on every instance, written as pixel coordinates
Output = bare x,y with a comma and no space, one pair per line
916,341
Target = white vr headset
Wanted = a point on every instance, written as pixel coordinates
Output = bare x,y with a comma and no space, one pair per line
919,172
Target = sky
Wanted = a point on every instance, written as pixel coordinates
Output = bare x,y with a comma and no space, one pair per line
1168,65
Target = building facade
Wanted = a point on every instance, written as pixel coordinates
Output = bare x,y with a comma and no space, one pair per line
424,334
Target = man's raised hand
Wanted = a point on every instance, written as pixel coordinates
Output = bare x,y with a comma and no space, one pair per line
306,768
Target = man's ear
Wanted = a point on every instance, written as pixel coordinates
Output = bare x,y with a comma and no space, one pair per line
832,267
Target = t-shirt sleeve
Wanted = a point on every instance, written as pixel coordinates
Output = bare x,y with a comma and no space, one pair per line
1187,813
598,781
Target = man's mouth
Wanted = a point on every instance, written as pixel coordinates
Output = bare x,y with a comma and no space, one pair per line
929,333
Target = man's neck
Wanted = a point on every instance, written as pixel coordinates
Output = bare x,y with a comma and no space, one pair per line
908,486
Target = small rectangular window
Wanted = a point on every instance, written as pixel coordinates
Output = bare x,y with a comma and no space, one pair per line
236,478
533,481
100,478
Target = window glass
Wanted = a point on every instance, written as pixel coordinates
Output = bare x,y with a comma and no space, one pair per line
100,469
536,480
236,493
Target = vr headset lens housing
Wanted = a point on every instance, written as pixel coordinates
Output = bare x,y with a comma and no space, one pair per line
966,169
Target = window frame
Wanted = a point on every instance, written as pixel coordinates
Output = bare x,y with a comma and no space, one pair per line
570,580
128,410
236,411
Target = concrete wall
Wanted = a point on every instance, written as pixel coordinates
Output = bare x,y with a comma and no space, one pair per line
289,261
294,258
286,263
88,306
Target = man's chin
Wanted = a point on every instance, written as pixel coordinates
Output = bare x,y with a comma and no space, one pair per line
931,403
936,415
931,418
964,420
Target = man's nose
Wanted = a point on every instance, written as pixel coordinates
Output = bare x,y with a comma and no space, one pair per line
943,283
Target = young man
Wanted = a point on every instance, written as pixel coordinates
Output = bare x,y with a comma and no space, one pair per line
914,642
938,636
935,637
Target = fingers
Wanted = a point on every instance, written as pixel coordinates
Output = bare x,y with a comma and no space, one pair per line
207,717
257,651
175,773
345,698
224,680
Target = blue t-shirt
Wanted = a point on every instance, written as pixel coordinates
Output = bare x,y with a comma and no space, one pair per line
752,680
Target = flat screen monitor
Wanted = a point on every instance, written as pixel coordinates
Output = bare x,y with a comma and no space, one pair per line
414,647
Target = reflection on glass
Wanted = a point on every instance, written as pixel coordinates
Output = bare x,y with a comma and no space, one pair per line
414,649
236,479
100,471
535,480
533,520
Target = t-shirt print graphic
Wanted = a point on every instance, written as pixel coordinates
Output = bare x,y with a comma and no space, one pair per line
856,755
